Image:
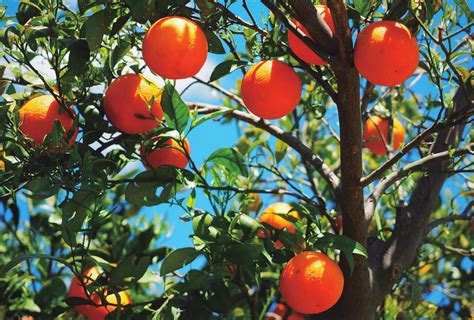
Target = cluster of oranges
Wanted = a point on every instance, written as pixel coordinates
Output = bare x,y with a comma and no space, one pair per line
386,53
308,274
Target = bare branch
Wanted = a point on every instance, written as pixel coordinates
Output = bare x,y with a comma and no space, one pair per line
306,153
466,214
417,165
455,119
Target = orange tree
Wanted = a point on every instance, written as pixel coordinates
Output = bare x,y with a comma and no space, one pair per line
390,223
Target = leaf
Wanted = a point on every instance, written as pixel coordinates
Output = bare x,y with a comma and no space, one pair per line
41,188
94,29
230,159
78,56
280,150
224,68
119,24
177,259
210,116
362,6
130,267
243,253
464,7
176,112
142,190
415,294
215,44
343,243
22,257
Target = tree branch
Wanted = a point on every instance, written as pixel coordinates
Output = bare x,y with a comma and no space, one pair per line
417,165
466,214
306,153
455,119
389,259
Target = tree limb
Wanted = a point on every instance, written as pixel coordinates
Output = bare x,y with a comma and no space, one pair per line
417,165
306,153
389,259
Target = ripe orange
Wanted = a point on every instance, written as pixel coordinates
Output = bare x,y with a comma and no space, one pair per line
386,53
38,116
126,104
169,153
311,283
376,135
271,89
300,48
93,312
175,48
295,316
273,216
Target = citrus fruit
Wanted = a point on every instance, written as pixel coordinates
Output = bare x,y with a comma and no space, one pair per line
386,53
300,48
376,137
271,89
98,311
167,153
175,48
38,115
126,104
311,283
274,216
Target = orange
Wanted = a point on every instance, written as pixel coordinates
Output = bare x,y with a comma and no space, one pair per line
169,153
126,104
295,316
271,89
38,116
311,282
386,53
175,48
253,206
300,48
376,135
273,216
93,312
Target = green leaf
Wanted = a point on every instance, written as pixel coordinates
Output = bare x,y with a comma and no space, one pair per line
176,112
348,246
464,7
362,6
130,267
224,68
22,257
119,24
41,188
215,44
230,159
142,190
210,116
280,150
177,259
78,56
243,253
94,29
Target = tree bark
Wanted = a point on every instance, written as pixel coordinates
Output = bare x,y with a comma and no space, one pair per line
391,258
